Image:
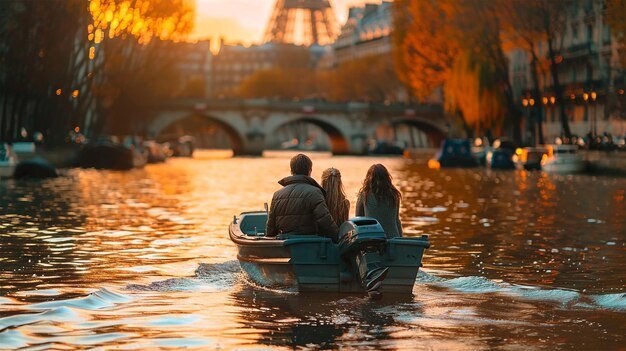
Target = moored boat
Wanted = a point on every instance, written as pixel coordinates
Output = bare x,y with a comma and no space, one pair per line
563,159
529,158
453,153
8,161
315,263
500,159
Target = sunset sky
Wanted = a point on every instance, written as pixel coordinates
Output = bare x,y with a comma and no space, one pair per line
245,20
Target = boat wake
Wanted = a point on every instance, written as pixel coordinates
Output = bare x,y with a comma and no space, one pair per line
65,310
209,277
564,297
221,277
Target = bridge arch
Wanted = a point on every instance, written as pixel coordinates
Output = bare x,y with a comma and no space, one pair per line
434,132
338,141
236,138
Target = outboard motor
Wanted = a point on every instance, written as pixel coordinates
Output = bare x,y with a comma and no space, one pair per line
362,241
361,234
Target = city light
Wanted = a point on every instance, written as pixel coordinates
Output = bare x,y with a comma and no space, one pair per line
594,95
524,102
552,100
544,100
585,96
75,93
58,91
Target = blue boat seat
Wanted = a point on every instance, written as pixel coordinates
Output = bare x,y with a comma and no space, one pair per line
253,223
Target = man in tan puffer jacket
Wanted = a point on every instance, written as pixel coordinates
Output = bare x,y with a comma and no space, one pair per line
299,207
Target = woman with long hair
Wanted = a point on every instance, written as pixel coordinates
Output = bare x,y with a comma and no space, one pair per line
379,199
336,200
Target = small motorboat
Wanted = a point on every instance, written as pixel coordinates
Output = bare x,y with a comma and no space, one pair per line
501,155
453,153
563,159
529,158
316,263
8,161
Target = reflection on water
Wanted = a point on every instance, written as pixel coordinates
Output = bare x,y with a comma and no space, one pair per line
141,260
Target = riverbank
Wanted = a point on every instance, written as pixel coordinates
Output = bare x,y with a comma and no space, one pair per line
606,162
601,162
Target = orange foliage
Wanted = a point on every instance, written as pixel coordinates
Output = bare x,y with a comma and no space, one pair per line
456,44
143,19
429,46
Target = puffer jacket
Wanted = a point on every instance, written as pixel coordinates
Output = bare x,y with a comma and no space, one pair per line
300,208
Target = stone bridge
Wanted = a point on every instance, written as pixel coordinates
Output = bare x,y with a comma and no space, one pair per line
348,125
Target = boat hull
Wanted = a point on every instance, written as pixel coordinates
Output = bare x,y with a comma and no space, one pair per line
314,263
564,166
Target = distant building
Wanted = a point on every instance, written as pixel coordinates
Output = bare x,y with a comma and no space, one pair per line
233,64
366,32
593,83
193,61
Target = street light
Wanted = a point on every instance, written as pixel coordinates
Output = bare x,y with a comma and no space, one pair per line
594,95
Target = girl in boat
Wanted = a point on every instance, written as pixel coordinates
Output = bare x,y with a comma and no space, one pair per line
336,200
379,199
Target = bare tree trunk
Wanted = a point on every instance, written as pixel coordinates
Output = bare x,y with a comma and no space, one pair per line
558,89
4,120
536,95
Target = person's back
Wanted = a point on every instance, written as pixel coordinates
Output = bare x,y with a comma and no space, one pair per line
299,207
385,212
379,199
336,200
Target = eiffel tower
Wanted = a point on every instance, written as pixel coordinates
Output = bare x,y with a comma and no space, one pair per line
316,17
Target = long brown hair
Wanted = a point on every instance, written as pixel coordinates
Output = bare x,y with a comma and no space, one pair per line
378,183
335,195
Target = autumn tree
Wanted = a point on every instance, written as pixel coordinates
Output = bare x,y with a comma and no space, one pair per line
456,44
401,21
279,83
136,41
423,47
370,78
72,63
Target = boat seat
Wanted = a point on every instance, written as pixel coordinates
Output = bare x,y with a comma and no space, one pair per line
251,221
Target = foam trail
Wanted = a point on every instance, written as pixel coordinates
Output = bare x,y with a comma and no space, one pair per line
209,277
477,284
611,301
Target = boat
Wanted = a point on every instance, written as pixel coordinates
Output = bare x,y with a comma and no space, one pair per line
35,168
8,161
563,159
107,154
529,158
500,159
385,148
312,263
453,153
479,150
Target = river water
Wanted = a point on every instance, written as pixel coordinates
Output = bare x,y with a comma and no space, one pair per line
141,260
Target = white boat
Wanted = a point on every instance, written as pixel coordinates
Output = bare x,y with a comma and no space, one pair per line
8,161
563,159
